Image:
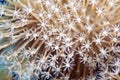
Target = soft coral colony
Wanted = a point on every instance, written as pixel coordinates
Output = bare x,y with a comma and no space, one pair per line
61,39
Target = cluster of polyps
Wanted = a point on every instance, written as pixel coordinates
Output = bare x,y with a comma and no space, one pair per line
61,39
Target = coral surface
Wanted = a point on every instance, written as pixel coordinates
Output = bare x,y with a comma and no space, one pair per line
60,39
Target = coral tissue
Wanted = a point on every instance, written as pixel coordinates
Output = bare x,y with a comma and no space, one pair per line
61,39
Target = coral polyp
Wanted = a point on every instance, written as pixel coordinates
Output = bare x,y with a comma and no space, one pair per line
61,39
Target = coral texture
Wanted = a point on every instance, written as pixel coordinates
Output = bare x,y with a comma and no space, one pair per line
61,39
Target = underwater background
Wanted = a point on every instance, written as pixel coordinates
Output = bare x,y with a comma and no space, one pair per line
3,72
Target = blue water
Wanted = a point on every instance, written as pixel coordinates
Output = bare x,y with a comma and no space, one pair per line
2,2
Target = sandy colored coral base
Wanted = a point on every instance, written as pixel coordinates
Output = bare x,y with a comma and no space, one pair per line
4,75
